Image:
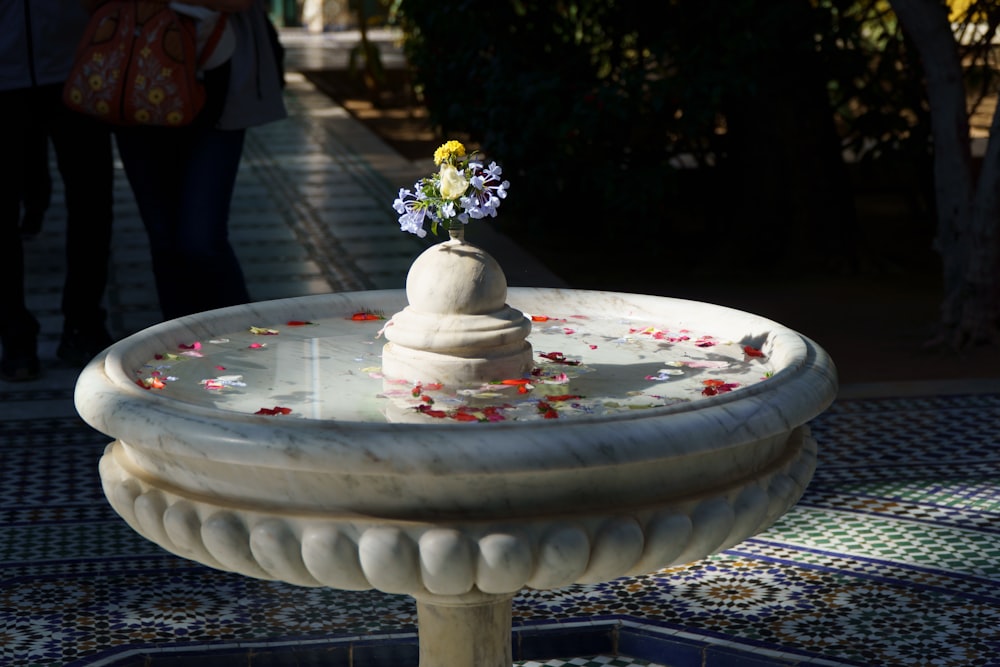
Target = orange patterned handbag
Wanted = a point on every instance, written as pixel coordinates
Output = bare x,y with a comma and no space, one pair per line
137,64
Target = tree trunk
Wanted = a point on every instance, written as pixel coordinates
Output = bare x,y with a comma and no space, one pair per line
967,213
979,320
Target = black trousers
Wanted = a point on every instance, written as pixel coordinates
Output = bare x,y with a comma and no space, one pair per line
83,153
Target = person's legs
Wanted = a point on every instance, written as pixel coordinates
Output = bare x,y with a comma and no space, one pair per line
210,273
18,328
154,161
83,153
183,180
37,189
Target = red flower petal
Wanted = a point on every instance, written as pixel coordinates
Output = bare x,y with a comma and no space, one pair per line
558,357
427,410
276,410
713,387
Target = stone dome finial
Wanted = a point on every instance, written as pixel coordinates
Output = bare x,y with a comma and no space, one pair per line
457,328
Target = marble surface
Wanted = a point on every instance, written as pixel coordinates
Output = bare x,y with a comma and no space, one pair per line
441,508
459,331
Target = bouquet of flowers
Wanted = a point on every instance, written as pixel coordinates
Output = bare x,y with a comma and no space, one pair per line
461,190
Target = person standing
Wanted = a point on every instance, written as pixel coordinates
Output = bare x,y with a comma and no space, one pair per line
37,45
183,177
37,195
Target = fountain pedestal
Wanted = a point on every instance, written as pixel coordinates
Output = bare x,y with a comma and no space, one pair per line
473,629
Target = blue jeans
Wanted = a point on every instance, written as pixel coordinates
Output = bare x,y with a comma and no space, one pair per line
183,180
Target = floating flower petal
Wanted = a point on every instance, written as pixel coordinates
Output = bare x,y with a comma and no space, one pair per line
276,410
713,387
558,357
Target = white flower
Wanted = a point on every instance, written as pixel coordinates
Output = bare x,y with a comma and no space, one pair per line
453,182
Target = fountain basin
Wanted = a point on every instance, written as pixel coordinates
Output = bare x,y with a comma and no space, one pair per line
354,489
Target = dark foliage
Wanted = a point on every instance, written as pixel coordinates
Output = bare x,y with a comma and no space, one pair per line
592,106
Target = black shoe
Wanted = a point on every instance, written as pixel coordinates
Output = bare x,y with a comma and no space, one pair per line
19,362
79,345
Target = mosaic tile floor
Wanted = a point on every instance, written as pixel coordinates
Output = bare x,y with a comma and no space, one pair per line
891,558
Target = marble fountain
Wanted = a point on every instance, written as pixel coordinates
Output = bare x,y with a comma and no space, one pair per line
457,441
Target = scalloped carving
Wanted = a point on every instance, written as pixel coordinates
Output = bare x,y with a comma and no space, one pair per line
459,559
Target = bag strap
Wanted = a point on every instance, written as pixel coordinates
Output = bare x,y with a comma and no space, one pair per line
213,38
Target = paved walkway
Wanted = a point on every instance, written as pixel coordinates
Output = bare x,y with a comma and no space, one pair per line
312,214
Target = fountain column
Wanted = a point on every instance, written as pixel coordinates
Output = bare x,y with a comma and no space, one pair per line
472,629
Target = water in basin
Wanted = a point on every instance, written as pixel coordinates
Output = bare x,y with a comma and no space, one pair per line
329,368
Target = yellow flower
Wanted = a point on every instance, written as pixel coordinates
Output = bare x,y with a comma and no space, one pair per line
174,118
102,107
449,150
453,183
156,95
95,82
142,116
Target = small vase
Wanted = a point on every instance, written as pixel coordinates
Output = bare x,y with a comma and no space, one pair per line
457,328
